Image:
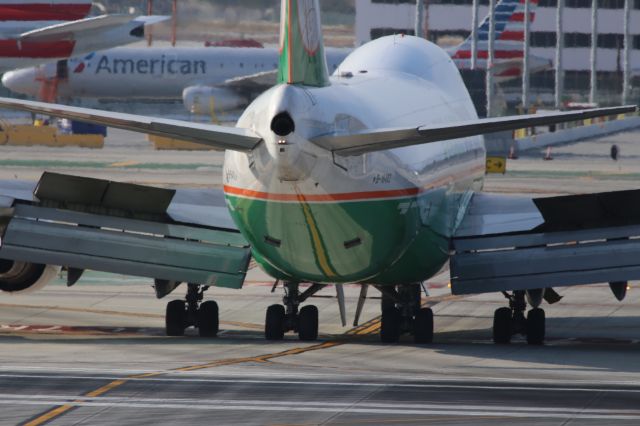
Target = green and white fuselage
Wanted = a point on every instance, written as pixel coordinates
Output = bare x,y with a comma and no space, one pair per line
384,217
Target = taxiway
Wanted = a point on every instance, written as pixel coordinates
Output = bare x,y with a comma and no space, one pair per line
96,353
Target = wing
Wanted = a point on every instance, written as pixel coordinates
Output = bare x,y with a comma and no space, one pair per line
377,140
80,28
513,243
84,223
253,82
205,134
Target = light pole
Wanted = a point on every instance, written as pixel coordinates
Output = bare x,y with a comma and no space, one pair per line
593,84
525,58
474,34
625,54
559,48
490,51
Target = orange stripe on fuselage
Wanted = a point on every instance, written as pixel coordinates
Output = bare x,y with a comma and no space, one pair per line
344,196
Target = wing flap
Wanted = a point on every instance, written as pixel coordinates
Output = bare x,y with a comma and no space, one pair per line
255,81
382,139
177,253
557,249
211,135
93,233
600,255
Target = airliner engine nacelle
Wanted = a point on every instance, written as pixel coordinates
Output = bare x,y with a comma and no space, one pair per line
207,100
24,277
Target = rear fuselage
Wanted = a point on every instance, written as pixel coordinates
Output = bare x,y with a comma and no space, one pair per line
383,217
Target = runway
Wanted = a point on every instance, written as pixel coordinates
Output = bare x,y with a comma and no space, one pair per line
96,353
178,398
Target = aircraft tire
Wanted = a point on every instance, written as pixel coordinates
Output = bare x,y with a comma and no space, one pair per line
536,324
175,318
390,325
308,323
423,326
208,322
274,323
502,326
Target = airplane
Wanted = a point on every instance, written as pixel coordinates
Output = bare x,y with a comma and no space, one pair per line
40,31
216,79
508,43
224,77
370,176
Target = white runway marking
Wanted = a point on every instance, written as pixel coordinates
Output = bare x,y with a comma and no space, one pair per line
232,375
315,406
331,383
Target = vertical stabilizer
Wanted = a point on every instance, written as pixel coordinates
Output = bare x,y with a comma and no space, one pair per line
302,59
509,33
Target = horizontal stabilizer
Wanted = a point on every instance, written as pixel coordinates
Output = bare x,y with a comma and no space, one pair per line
211,135
382,139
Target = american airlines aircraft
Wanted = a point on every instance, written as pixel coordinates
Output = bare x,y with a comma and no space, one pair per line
228,76
224,78
37,31
371,176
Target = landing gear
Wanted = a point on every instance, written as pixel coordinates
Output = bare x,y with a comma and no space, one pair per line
308,323
390,325
510,321
274,324
401,313
181,314
175,318
535,326
287,317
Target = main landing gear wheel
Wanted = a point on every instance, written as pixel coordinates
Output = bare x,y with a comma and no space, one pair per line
510,321
208,319
535,326
390,326
175,318
181,314
274,323
502,325
423,326
286,317
308,323
402,313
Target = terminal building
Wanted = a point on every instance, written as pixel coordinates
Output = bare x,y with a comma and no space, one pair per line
448,22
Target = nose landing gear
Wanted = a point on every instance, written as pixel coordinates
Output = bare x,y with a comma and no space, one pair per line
193,311
510,321
287,317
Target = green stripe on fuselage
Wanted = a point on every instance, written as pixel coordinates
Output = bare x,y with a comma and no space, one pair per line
396,246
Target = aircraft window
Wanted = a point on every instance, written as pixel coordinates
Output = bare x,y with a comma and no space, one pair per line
221,65
241,65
